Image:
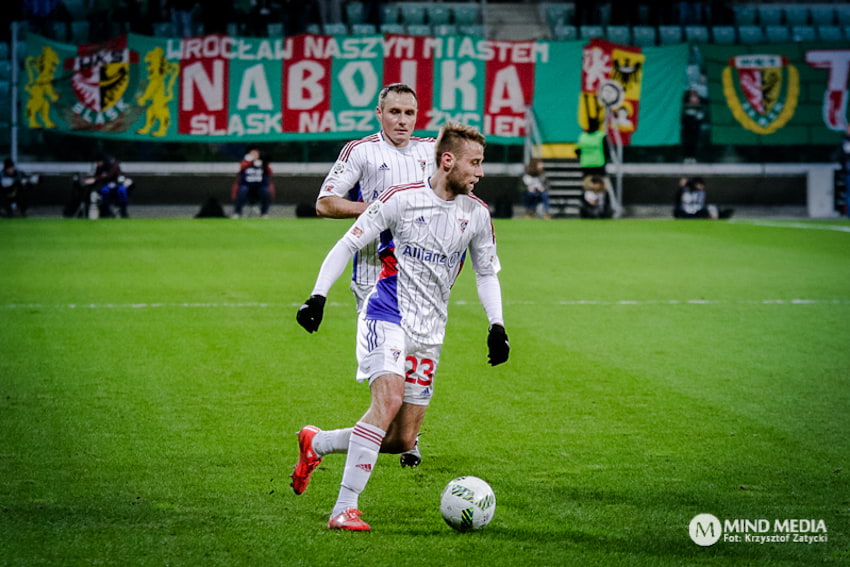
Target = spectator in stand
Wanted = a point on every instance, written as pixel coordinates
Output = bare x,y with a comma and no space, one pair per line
109,187
13,190
693,114
691,202
253,184
535,189
844,162
596,199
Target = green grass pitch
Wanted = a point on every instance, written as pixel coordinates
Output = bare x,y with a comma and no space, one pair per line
152,380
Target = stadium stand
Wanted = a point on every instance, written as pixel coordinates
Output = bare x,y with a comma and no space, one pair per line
696,34
829,33
643,36
590,32
778,34
803,33
355,13
564,32
669,35
619,34
769,15
749,35
723,35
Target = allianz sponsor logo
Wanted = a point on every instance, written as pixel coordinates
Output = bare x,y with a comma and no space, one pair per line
706,530
430,256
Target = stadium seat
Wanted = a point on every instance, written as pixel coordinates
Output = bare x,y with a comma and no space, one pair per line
418,29
803,33
557,13
21,49
275,30
696,34
335,29
441,30
846,30
603,13
643,14
389,13
163,29
233,29
769,15
829,33
822,15
466,14
80,32
412,14
564,32
589,32
749,35
438,15
78,9
476,30
619,34
842,13
4,50
643,36
777,34
355,13
744,15
669,35
723,35
314,29
363,29
796,15
5,71
392,28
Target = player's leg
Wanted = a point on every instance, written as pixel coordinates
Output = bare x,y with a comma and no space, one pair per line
421,366
364,446
403,435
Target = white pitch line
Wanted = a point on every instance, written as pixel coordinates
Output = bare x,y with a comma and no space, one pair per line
563,302
798,225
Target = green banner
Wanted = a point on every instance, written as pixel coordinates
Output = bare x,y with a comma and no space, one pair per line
308,87
777,94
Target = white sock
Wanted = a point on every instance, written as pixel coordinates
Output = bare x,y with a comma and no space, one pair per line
333,441
363,449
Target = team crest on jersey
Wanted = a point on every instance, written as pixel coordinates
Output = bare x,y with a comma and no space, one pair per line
761,91
422,164
463,224
373,209
356,232
328,188
396,353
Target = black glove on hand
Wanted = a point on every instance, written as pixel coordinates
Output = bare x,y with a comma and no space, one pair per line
309,315
498,345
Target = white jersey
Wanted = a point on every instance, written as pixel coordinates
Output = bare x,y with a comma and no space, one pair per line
430,238
363,170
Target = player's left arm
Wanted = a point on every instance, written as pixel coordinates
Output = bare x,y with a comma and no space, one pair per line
485,262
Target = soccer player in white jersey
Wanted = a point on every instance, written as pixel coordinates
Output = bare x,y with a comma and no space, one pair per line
366,167
363,170
402,324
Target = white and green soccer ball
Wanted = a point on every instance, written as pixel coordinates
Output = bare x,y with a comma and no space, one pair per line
467,503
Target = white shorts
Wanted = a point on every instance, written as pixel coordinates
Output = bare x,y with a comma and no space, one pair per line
382,348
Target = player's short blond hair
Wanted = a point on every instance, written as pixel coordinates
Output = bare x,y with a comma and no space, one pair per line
453,135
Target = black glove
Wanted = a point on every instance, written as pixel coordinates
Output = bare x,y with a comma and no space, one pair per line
309,315
497,345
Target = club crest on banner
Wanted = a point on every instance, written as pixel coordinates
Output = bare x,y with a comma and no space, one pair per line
611,78
761,91
100,75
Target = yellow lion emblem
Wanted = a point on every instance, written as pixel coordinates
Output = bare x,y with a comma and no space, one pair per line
41,71
161,76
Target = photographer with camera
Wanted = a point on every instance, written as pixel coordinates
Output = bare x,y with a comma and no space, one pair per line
108,187
14,188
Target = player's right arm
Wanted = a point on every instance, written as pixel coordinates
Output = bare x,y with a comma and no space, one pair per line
335,207
333,201
366,229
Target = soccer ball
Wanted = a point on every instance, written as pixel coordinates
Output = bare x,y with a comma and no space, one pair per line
467,503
